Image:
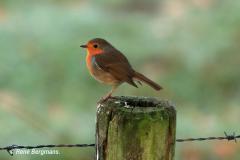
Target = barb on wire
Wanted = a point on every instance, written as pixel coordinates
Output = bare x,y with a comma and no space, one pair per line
228,137
11,148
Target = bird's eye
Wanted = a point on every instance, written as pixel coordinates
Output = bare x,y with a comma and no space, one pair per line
95,46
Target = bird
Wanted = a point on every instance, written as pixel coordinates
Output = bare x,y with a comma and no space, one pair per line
109,66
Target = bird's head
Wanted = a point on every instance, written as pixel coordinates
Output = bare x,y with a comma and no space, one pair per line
97,46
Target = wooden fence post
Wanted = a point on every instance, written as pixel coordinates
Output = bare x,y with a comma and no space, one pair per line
135,128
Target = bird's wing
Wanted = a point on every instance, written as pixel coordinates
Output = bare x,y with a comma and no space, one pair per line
116,64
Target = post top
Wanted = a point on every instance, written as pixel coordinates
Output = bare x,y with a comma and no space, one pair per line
137,102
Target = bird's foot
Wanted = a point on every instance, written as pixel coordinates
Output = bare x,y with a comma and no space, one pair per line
103,99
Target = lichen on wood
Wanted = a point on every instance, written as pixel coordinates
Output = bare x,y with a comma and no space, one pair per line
135,128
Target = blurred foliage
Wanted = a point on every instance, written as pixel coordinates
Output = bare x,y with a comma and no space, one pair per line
190,47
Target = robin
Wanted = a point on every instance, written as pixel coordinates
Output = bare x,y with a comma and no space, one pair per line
109,66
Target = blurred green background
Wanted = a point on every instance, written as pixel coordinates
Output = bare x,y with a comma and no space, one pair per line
190,47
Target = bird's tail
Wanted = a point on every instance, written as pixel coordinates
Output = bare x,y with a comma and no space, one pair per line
144,79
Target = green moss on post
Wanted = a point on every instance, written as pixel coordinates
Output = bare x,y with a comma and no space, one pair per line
135,128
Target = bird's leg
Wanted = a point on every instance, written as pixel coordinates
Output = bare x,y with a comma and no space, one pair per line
109,95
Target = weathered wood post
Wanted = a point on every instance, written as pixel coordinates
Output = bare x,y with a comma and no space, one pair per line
135,128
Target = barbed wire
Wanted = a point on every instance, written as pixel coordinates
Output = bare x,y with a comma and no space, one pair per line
11,148
228,137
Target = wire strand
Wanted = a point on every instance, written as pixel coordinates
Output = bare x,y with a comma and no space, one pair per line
11,148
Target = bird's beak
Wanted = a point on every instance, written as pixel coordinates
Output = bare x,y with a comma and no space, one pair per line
83,46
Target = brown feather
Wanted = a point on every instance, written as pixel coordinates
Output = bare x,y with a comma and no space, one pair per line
117,64
143,78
